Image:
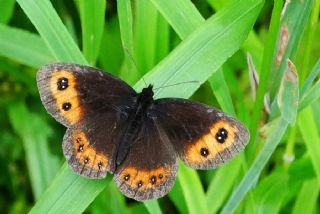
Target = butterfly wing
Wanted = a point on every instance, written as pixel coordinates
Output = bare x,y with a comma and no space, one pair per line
93,105
150,168
202,136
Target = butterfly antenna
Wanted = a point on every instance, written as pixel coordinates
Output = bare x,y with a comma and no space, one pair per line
130,56
165,86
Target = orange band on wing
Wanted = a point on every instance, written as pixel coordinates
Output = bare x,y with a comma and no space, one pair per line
144,179
86,154
207,146
68,96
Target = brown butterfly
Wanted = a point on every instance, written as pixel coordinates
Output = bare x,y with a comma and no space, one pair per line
112,128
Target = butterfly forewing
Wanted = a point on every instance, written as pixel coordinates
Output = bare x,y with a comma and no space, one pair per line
202,136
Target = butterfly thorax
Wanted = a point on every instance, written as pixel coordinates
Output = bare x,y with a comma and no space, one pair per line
144,101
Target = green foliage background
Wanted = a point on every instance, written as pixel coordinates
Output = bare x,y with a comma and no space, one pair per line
168,42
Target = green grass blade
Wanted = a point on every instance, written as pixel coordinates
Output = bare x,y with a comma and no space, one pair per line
6,10
153,207
184,19
307,204
52,31
177,197
145,49
310,96
201,51
111,53
312,76
129,71
265,69
42,166
194,194
222,92
259,163
270,192
69,193
309,132
24,47
92,22
220,187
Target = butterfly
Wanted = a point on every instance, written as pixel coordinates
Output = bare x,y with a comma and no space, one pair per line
113,129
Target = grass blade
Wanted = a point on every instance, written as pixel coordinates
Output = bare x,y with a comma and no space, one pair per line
24,47
126,31
185,18
305,204
92,22
220,187
6,10
253,173
69,193
312,76
194,194
270,192
41,164
222,92
200,50
153,207
52,31
309,132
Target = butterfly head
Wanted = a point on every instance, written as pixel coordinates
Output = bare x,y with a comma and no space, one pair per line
147,93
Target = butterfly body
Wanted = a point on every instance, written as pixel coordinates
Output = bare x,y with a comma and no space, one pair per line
138,114
139,139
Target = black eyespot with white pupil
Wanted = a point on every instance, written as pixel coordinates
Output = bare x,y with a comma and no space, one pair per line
99,165
221,135
80,148
204,152
126,177
62,83
66,106
153,179
86,160
140,184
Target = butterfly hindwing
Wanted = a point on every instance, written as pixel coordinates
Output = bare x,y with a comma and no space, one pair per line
84,158
150,168
100,105
202,136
